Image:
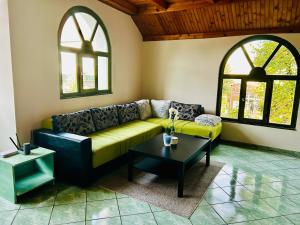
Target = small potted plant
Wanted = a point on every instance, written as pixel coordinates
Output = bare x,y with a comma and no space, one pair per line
169,131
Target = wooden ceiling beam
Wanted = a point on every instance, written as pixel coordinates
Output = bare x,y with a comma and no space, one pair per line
176,6
185,5
122,5
222,34
161,4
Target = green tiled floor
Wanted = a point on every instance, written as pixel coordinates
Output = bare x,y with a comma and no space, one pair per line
253,188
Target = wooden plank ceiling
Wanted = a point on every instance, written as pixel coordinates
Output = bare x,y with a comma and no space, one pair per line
192,19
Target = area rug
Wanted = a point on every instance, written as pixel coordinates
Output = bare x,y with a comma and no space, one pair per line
162,191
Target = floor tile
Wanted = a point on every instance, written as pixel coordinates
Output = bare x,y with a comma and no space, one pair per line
129,206
166,218
77,223
270,221
294,218
70,195
238,193
7,205
284,188
140,219
155,208
283,205
99,193
68,213
36,216
120,195
206,215
259,209
262,191
102,209
6,217
107,221
225,181
216,195
232,212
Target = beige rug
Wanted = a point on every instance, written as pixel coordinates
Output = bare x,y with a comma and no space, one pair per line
162,191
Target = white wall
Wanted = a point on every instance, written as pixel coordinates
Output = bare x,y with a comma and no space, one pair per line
188,71
7,110
34,26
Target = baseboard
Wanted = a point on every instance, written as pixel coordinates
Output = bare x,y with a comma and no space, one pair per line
261,148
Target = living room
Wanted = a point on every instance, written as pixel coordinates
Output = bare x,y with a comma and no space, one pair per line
194,53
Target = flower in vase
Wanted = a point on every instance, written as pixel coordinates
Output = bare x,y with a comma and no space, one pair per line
173,115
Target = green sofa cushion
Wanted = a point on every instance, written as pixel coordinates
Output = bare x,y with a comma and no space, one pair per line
113,142
190,128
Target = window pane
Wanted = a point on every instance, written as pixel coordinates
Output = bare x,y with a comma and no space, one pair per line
259,51
283,63
282,102
100,42
87,25
230,98
255,100
70,36
237,63
88,73
69,72
103,83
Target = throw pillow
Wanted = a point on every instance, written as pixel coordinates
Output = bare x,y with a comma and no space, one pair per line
105,117
208,120
80,123
128,112
144,109
187,111
160,108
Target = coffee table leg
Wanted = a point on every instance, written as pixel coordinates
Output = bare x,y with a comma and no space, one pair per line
130,165
180,181
208,155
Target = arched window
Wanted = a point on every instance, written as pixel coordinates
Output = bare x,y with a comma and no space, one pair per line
259,83
84,54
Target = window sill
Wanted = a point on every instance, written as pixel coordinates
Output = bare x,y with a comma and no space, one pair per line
284,127
81,95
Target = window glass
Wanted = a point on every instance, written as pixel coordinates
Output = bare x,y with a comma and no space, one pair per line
70,36
88,73
87,25
255,100
230,98
100,42
259,51
69,72
237,64
283,63
102,73
282,102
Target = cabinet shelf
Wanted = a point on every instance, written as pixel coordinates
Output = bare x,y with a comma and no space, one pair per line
31,181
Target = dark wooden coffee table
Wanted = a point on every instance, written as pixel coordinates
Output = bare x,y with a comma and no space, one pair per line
153,157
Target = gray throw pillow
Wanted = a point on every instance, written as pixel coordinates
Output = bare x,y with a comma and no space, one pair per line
160,108
105,117
144,109
128,112
187,111
80,123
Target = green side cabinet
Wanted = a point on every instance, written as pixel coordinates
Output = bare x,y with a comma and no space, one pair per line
20,174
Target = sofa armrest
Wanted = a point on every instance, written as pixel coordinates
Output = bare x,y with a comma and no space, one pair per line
73,158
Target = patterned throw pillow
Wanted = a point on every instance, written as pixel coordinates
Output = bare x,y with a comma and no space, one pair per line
187,111
160,108
105,117
80,123
128,112
144,109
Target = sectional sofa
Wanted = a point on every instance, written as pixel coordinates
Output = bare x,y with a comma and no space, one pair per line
90,139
